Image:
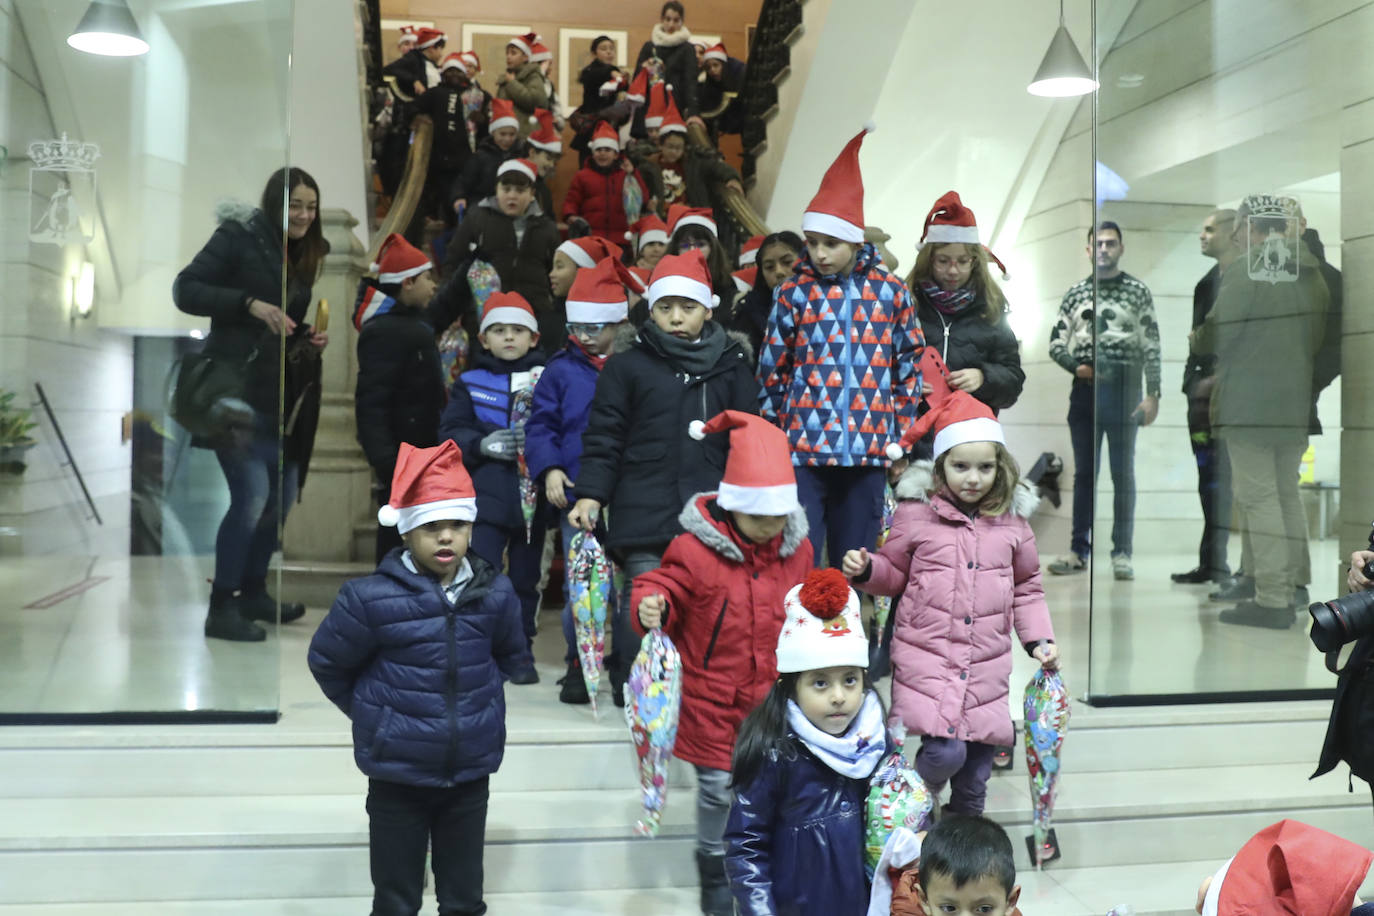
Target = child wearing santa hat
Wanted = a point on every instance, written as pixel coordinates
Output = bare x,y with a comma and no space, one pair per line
951,645
546,147
597,308
399,393
523,82
680,173
415,655
1289,869
596,196
696,228
511,232
477,181
719,595
578,254
795,835
637,457
839,364
479,418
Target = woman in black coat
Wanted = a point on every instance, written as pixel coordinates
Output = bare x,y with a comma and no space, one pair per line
671,56
236,281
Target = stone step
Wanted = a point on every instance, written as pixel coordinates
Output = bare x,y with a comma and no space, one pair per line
316,582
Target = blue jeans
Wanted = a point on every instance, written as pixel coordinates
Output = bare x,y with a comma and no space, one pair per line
497,545
1114,416
844,507
261,492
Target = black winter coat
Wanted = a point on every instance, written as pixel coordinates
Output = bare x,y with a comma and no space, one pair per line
592,78
404,72
795,840
466,420
243,260
477,181
968,341
450,150
422,679
489,234
400,389
637,457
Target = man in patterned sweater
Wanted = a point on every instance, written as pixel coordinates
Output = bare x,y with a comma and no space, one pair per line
1106,348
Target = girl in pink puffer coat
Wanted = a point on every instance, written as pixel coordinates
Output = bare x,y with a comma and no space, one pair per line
962,557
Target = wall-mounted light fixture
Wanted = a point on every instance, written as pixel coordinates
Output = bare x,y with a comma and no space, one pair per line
83,289
108,29
1062,72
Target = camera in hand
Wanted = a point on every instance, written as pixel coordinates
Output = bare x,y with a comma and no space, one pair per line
1343,620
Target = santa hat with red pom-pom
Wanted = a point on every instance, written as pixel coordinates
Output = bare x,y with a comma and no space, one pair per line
822,627
950,222
758,479
502,114
684,275
837,210
545,136
588,250
956,416
1289,868
429,485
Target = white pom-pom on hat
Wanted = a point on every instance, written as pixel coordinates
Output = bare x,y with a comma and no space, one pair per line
388,516
715,300
870,125
895,451
697,430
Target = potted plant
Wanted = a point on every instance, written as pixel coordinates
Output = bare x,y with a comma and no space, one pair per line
16,423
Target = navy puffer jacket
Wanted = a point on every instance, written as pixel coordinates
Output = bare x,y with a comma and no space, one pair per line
421,678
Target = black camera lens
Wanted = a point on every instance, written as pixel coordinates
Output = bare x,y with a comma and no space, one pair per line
1335,623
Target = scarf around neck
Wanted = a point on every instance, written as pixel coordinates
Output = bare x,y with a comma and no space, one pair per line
598,362
948,302
664,40
696,357
857,752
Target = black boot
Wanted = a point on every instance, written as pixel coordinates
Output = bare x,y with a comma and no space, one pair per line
225,620
574,688
619,674
256,604
716,899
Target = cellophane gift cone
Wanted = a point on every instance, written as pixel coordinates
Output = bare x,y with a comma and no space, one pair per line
653,698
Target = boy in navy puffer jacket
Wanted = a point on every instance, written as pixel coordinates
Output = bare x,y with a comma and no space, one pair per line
480,419
415,655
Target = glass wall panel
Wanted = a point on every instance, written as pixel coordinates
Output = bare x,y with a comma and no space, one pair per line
117,171
1217,385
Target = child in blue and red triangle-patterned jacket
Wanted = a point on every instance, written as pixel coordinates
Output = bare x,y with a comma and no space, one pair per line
839,364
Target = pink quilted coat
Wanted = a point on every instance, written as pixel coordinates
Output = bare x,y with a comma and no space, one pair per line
964,583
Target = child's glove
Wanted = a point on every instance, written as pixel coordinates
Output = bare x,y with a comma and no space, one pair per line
502,444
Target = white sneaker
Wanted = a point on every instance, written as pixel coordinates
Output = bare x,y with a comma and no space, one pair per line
1121,567
1067,565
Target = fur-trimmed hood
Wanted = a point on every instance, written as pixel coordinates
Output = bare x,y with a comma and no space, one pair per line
919,479
697,522
232,209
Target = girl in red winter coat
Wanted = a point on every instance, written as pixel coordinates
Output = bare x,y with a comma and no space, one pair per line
597,193
719,596
962,557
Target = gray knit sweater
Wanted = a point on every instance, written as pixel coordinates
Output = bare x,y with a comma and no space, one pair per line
1124,328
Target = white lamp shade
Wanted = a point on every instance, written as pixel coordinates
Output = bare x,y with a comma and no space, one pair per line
108,29
1062,73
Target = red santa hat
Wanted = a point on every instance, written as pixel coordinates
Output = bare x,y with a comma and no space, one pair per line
545,136
647,230
588,250
749,251
1289,869
520,167
837,210
613,85
429,485
503,114
716,52
745,278
950,222
642,274
956,416
759,479
525,43
452,61
604,137
639,87
658,105
821,627
541,53
471,59
672,120
407,36
680,215
684,275
399,260
508,308
598,293
428,38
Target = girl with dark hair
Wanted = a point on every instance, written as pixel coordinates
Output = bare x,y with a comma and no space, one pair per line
693,228
776,255
795,837
236,281
669,56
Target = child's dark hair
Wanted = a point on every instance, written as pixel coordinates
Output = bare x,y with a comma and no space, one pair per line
785,237
1003,492
515,179
764,732
966,848
717,261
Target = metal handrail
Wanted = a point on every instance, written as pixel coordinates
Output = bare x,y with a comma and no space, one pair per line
738,205
71,462
412,184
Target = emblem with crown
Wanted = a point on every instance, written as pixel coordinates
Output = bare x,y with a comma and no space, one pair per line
63,155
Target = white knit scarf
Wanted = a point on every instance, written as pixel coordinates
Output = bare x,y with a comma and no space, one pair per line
857,752
665,40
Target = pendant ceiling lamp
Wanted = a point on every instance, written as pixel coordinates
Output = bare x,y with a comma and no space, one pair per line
1062,72
108,29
